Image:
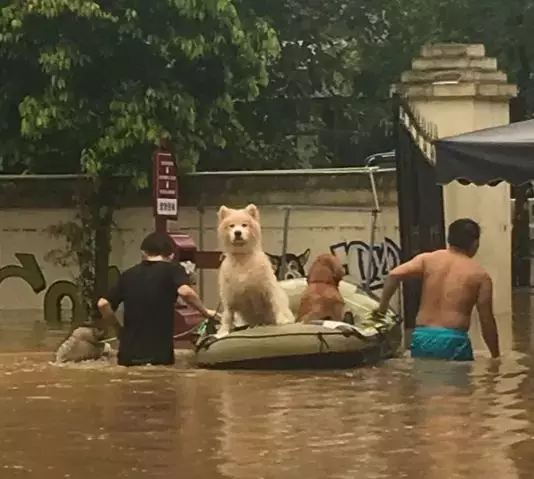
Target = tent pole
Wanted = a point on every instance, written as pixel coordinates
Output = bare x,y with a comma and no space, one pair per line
285,235
372,239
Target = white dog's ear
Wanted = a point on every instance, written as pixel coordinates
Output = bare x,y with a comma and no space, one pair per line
223,212
253,211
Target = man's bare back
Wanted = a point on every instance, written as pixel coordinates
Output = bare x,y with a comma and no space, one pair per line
451,285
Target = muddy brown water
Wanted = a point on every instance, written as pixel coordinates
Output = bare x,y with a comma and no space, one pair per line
401,419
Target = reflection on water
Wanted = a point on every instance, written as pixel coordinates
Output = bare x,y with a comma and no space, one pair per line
412,419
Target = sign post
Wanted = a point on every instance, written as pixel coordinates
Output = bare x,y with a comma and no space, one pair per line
164,189
165,205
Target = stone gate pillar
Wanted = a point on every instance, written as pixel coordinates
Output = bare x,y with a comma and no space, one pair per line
458,89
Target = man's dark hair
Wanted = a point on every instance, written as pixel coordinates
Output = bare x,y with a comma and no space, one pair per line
463,233
158,244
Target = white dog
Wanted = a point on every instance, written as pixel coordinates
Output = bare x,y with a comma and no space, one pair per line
248,286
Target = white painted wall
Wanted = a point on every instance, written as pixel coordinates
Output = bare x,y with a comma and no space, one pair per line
345,233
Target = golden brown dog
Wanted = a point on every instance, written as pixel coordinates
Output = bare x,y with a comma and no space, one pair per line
322,299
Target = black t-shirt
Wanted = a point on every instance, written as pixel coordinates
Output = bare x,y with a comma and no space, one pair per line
149,293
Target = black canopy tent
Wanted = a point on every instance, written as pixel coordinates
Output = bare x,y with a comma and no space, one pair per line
487,157
503,153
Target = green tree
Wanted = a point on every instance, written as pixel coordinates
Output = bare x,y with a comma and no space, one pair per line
309,89
338,62
92,86
329,89
403,26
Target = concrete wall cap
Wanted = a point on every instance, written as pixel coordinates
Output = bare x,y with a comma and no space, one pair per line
463,63
451,50
430,77
484,91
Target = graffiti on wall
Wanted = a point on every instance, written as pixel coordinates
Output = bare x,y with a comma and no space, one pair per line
355,256
295,264
29,270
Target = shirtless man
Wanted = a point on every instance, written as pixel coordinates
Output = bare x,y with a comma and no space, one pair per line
453,283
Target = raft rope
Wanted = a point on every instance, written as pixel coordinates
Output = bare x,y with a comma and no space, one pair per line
196,327
322,342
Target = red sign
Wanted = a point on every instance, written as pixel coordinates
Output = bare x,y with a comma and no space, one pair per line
165,185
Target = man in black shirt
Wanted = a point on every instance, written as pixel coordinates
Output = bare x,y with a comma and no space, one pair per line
149,291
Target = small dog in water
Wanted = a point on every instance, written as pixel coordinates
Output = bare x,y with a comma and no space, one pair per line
248,286
321,298
83,344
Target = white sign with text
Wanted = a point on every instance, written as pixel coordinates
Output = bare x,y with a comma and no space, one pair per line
166,206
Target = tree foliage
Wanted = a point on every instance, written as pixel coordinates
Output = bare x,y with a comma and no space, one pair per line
100,81
309,93
339,60
93,85
329,88
107,78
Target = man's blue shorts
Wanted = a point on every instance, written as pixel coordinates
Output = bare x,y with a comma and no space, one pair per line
441,343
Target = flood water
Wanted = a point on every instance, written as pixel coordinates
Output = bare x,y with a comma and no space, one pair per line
404,418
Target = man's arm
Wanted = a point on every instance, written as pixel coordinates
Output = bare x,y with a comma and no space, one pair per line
190,296
187,293
414,267
487,319
109,304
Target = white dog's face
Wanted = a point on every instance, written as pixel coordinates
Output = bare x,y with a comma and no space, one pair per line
239,230
239,234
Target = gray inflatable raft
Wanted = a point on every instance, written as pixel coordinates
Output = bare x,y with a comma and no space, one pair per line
321,344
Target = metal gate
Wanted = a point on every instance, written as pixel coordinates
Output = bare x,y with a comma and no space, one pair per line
420,198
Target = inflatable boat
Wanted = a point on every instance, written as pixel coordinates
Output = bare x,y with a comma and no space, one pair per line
359,339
